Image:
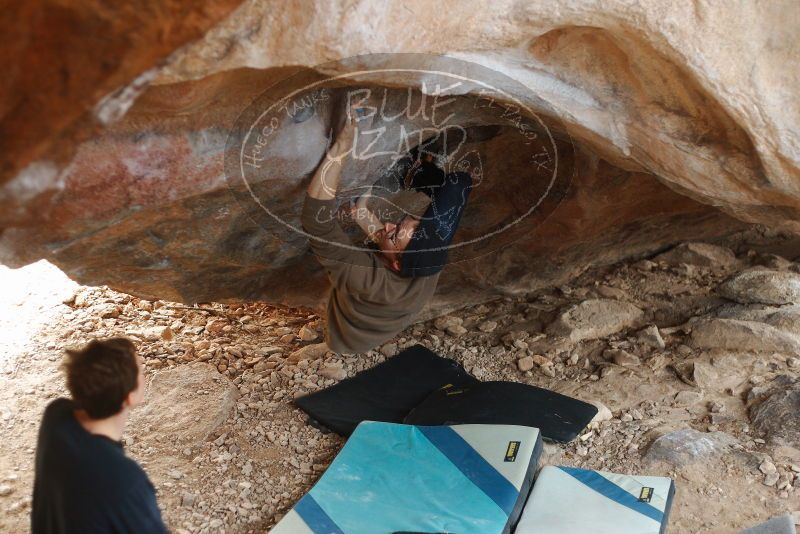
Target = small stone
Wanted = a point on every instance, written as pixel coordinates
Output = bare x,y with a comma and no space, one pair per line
110,312
189,499
307,334
525,363
215,326
621,357
767,467
793,362
5,490
456,330
145,305
611,292
548,370
651,337
520,344
82,299
603,413
771,479
443,323
718,419
309,352
175,474
541,361
687,398
286,338
333,372
389,349
158,333
716,407
487,326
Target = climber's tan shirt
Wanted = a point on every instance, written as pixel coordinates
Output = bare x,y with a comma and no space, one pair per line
368,303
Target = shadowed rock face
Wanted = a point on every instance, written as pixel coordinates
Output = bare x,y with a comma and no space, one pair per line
652,135
60,60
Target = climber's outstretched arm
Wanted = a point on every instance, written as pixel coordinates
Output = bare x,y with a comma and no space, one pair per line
325,182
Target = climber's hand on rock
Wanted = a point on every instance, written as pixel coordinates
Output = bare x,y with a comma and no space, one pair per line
344,140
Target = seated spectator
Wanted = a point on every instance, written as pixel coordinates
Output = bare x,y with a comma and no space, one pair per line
84,482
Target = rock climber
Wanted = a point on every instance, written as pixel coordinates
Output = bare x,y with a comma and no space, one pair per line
376,294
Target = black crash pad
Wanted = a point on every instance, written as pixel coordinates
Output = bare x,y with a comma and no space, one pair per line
386,392
558,417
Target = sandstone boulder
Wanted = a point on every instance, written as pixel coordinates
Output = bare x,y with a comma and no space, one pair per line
777,413
784,318
700,254
760,286
661,116
185,404
733,334
595,318
688,446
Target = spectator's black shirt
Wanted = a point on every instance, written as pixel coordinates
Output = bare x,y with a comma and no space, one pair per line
85,484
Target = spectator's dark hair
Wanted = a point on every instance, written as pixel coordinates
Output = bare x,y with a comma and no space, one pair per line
101,375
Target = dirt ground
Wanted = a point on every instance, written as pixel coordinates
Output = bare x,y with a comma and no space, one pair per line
244,454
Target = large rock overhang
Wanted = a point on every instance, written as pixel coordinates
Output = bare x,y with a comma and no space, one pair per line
650,156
